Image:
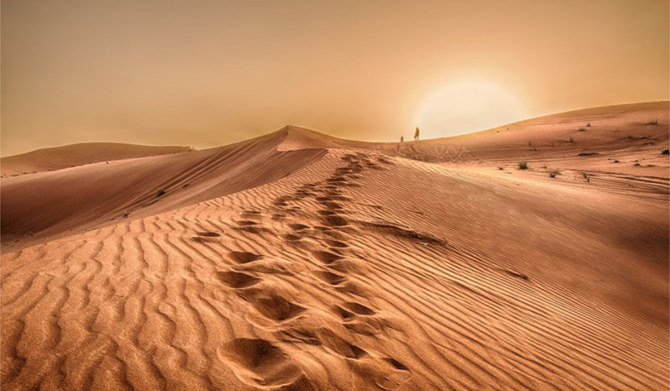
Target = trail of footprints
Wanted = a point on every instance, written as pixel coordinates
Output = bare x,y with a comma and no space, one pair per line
258,361
340,334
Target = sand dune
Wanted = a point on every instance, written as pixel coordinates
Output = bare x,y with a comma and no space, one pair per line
51,159
297,261
96,194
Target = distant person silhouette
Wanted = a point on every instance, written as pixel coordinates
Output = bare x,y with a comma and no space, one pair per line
416,134
402,139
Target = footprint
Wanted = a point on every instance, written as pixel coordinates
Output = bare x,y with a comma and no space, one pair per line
336,243
298,227
259,363
335,221
243,256
252,228
339,345
247,223
336,250
300,194
358,308
206,236
396,364
237,280
342,313
281,201
516,274
209,234
291,237
331,205
251,214
331,278
295,209
271,304
326,257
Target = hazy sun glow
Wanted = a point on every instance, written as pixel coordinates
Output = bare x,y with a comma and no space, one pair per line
214,72
467,106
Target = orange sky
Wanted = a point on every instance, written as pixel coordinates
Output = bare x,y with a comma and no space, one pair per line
207,73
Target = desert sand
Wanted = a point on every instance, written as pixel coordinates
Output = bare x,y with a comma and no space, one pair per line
56,158
298,261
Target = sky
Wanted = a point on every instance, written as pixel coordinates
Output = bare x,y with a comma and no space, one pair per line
210,72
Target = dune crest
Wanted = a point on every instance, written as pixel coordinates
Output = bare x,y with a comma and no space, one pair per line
51,159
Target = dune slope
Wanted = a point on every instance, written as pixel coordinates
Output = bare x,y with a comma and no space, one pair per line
51,159
49,204
356,269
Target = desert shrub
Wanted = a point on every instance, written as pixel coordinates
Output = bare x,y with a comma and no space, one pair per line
666,152
160,193
582,129
554,173
652,122
523,165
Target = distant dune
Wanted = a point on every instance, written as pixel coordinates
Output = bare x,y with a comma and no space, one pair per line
298,261
50,159
50,203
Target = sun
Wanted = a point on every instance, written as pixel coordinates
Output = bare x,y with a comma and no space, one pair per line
466,106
